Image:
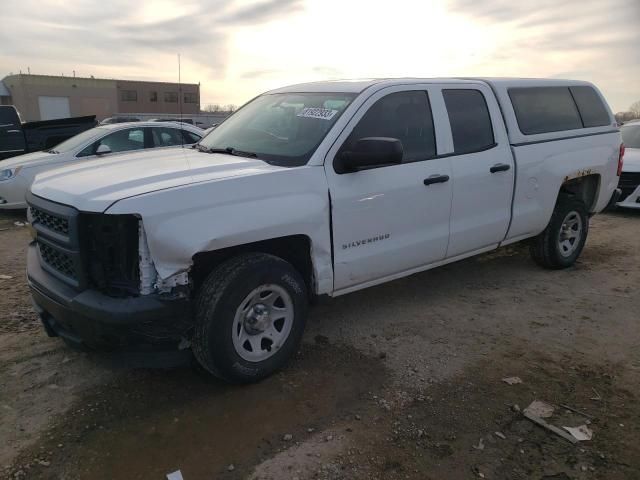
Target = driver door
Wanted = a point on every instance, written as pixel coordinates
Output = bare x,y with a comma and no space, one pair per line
391,220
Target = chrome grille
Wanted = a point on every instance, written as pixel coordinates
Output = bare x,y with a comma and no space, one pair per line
49,221
58,239
58,260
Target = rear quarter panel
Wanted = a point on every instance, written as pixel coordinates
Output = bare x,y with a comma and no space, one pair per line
542,168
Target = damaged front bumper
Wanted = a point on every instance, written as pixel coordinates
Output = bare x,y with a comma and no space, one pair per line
97,321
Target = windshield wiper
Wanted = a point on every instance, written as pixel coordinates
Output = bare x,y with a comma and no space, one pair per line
227,151
53,151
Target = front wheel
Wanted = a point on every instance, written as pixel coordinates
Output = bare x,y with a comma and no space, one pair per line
561,243
250,316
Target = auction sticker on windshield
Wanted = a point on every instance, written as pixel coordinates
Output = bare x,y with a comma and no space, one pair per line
315,112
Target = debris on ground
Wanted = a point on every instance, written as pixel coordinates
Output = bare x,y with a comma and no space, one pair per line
581,433
231,467
552,428
5,277
480,445
597,396
575,410
477,471
177,475
19,224
288,437
500,435
540,409
512,380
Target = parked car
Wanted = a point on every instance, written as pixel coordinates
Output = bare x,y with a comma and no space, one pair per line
210,129
17,138
315,189
17,174
173,119
630,177
118,119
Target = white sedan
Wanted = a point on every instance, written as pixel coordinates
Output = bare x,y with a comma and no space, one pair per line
630,178
17,173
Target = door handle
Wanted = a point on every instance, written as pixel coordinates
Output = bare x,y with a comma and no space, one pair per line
436,179
499,167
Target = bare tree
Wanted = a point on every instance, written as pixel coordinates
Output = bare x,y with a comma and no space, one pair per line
212,108
635,109
230,108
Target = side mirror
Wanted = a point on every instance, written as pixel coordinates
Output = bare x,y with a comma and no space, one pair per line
370,152
102,149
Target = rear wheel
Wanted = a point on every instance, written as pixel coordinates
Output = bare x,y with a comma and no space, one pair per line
250,316
561,243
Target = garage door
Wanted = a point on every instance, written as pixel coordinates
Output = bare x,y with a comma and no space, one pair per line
53,107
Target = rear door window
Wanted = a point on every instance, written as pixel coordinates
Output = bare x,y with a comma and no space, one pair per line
470,120
190,137
402,115
8,116
544,109
166,137
590,106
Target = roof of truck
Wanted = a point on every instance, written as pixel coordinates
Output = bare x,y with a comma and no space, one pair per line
359,85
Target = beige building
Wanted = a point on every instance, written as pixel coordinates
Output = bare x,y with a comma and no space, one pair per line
45,97
157,97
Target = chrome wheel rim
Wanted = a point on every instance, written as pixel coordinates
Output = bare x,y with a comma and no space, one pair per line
570,234
262,323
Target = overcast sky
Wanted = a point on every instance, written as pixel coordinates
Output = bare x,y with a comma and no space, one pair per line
237,49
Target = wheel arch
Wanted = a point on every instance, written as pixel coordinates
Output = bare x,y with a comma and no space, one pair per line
584,188
295,249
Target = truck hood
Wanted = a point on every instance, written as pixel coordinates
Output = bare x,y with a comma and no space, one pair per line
94,185
30,160
631,160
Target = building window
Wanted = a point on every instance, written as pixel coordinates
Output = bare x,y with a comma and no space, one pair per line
128,95
190,98
171,97
153,96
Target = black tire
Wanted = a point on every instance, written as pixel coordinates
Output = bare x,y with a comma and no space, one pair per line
218,299
78,347
545,248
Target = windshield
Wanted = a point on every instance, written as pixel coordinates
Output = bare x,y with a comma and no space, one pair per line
631,136
79,140
282,129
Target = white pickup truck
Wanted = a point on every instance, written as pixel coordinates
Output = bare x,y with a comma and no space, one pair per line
314,189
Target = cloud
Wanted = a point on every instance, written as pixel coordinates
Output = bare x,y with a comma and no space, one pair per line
119,33
254,74
595,41
327,71
238,48
261,12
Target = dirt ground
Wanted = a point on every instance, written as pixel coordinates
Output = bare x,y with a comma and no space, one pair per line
400,381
